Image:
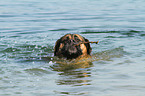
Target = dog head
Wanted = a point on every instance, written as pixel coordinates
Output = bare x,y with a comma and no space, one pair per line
64,47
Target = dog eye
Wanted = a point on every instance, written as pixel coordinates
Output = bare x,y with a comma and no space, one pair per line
66,39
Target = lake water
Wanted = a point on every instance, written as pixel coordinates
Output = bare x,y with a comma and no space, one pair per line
30,28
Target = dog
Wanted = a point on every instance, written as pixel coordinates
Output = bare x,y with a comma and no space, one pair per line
71,46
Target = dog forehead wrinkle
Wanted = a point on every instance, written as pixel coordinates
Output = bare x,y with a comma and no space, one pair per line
66,36
79,36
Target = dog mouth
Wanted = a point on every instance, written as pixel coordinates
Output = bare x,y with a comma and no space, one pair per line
70,51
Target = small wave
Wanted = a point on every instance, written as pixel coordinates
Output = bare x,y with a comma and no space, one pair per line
62,29
10,49
64,65
142,35
37,71
96,32
108,54
7,16
25,53
122,32
104,55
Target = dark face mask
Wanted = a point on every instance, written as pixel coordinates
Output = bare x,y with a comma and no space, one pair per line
70,51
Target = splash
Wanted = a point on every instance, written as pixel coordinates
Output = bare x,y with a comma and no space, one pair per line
63,64
108,54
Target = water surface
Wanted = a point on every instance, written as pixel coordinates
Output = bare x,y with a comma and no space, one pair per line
30,28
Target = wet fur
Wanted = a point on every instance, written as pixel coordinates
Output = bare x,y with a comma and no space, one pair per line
64,47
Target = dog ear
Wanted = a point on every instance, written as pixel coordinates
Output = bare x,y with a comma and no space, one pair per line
57,45
89,49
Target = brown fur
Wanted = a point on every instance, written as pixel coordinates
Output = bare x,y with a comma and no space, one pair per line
64,47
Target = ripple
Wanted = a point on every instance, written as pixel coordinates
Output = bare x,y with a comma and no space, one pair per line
130,32
62,29
11,49
37,71
142,35
26,53
94,32
108,54
117,33
7,16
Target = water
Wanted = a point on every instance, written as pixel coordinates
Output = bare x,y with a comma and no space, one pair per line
30,28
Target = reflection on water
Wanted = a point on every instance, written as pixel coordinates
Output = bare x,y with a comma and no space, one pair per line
74,78
74,74
71,93
70,65
78,73
71,77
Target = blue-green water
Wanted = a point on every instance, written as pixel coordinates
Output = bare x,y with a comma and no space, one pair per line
29,29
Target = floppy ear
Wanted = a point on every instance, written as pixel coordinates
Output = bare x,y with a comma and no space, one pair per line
89,49
56,48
